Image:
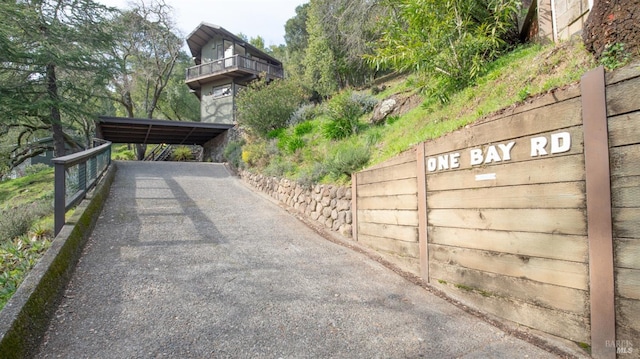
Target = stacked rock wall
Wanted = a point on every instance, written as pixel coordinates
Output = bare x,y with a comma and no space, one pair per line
327,205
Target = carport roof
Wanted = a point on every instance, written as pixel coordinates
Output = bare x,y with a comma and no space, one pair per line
151,131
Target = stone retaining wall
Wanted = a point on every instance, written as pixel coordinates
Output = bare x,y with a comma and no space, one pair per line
329,206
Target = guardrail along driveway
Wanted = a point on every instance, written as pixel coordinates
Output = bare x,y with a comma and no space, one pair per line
187,262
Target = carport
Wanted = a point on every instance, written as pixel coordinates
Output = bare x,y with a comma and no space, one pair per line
152,131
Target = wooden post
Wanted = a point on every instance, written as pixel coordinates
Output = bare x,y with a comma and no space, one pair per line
354,206
59,200
600,233
422,211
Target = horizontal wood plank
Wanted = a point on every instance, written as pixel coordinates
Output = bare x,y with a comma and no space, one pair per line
551,271
559,323
550,195
547,119
628,317
559,221
405,186
627,196
626,223
545,245
624,73
628,283
627,253
625,161
520,150
401,233
622,97
409,201
542,294
390,173
400,248
624,129
397,217
404,157
511,174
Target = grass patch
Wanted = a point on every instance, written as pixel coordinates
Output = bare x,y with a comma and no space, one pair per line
525,72
26,227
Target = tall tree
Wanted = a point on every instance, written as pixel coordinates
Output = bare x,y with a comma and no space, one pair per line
149,49
45,45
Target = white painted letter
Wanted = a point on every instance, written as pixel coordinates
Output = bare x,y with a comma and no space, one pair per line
476,156
455,160
537,146
492,155
506,150
443,162
431,164
560,142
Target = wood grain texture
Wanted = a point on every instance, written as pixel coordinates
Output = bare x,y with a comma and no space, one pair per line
628,283
625,161
390,173
563,324
405,186
622,97
404,157
556,272
628,320
561,115
399,202
512,174
399,248
559,221
536,293
551,195
624,129
624,73
401,233
543,245
627,253
625,192
397,217
626,223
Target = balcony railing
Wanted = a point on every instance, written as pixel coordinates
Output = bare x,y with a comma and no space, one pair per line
233,63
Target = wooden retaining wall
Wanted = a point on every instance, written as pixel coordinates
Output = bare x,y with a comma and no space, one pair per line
623,112
513,215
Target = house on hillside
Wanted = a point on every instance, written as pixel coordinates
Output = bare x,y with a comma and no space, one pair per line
225,63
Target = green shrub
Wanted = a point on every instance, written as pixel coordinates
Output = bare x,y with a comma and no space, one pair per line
303,128
303,114
343,113
266,106
278,167
309,176
15,222
347,159
182,153
233,153
37,168
366,102
614,56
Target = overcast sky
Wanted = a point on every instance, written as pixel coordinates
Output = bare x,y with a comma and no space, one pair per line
253,18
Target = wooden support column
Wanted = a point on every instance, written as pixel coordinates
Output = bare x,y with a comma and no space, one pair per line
354,206
600,234
422,211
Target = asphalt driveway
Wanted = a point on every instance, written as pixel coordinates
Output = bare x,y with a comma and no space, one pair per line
187,262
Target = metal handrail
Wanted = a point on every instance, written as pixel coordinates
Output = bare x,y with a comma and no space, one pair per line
87,166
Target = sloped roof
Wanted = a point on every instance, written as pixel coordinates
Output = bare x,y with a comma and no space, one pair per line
205,31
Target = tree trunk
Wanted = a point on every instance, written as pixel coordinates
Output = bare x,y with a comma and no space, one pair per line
55,120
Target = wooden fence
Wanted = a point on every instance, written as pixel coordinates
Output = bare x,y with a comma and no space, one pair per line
515,216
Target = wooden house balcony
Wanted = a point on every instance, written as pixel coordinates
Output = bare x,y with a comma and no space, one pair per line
234,66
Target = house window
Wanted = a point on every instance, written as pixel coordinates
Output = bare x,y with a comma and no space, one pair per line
221,91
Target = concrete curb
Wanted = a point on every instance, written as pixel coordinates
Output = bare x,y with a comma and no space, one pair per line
25,318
